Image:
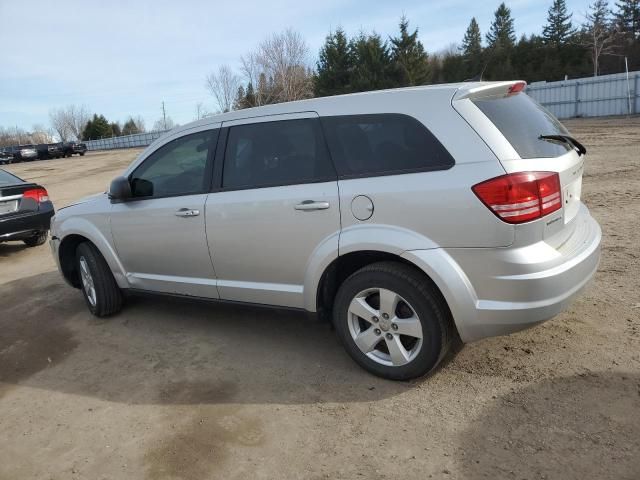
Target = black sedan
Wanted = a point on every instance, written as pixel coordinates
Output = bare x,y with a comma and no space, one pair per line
25,210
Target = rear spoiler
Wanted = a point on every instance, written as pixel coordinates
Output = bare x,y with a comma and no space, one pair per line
489,89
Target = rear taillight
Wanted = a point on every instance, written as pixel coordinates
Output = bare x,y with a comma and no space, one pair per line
38,194
517,87
521,197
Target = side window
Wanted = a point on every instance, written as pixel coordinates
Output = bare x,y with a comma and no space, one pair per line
276,153
377,144
177,168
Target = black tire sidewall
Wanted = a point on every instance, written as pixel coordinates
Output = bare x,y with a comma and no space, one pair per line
84,250
424,303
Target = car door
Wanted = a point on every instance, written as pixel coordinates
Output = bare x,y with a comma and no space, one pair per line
275,209
159,233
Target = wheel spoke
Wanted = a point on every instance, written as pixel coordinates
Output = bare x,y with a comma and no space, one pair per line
83,266
397,352
362,309
388,302
408,326
367,340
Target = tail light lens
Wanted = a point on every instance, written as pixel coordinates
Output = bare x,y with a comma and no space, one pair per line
38,194
521,197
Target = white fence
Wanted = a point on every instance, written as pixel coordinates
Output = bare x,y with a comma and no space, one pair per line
590,97
127,141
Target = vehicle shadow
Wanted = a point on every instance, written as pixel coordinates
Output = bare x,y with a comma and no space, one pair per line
7,249
169,351
583,426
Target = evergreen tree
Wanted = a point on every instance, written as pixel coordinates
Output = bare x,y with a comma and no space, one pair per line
472,49
97,127
501,33
558,29
409,56
116,131
240,101
334,66
130,127
372,63
250,97
628,17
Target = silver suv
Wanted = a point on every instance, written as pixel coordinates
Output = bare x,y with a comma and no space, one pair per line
406,216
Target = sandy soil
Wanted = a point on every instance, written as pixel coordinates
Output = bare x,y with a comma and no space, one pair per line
177,390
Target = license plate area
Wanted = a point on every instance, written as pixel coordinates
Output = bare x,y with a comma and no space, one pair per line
8,207
571,199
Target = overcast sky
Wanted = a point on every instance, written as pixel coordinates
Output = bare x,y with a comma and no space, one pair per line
122,58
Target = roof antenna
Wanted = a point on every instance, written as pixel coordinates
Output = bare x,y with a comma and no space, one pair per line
478,78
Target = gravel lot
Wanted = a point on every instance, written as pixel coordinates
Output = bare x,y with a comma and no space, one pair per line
170,389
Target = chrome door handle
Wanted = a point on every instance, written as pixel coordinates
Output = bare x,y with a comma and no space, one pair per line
311,205
187,212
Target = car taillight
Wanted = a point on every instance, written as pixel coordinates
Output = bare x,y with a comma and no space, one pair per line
517,87
38,194
521,197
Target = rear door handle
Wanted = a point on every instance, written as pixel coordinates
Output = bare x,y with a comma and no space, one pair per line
187,212
312,205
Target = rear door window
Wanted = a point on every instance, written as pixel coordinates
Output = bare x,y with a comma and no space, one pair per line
522,120
383,144
7,179
276,153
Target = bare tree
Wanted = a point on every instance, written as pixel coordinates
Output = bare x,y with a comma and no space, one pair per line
223,86
69,122
77,117
164,124
599,34
40,135
284,59
60,123
201,111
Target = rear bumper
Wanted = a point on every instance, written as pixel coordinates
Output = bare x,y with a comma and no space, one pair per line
25,225
497,291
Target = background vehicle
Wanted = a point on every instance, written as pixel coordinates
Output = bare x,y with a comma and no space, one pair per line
25,153
408,216
69,148
25,210
49,150
6,156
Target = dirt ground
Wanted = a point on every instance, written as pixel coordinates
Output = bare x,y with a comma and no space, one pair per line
175,390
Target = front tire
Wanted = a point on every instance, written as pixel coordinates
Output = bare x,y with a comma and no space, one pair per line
100,289
393,321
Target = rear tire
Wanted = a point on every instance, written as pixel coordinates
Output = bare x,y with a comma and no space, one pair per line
100,289
36,240
403,327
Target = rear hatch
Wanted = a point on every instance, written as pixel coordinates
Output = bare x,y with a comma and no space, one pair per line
535,142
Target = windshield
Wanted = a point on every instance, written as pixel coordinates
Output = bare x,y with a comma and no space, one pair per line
522,120
7,179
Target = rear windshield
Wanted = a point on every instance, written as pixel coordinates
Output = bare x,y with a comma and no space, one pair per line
522,120
7,179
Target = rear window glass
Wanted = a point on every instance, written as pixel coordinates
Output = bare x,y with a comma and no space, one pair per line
7,179
522,120
378,144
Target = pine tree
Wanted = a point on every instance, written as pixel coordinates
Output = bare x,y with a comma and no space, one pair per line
250,97
472,49
130,127
409,56
239,101
372,63
97,127
335,66
501,33
558,29
628,17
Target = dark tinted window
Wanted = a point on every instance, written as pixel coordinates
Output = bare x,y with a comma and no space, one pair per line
7,179
383,144
276,153
177,168
522,120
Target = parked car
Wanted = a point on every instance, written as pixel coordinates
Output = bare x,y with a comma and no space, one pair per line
407,216
25,210
69,148
25,153
49,150
6,156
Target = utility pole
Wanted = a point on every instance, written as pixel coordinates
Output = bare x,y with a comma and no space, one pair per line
164,116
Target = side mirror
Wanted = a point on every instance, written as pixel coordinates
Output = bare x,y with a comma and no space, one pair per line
120,189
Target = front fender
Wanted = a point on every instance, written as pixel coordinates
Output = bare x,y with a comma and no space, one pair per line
99,234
